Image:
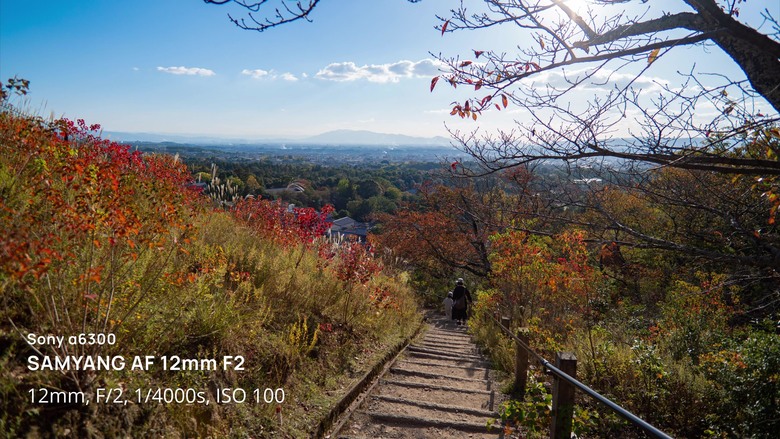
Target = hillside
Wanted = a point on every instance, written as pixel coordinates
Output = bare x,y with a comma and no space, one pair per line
121,282
132,307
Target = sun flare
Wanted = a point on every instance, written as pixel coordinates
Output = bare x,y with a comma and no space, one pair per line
578,6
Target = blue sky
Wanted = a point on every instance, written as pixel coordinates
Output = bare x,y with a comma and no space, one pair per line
180,66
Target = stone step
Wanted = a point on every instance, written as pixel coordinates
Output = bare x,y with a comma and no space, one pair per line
449,335
440,386
434,376
413,348
444,370
426,411
450,366
463,349
450,358
418,385
437,394
407,420
396,431
440,407
443,380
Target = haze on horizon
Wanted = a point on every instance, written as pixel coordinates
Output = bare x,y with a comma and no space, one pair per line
182,68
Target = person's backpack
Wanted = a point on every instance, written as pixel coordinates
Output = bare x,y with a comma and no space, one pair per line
460,302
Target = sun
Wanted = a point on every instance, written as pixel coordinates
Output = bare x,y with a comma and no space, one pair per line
578,6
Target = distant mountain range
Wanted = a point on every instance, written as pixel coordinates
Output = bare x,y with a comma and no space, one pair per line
337,137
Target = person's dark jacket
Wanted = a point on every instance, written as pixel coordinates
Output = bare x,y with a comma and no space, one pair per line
459,292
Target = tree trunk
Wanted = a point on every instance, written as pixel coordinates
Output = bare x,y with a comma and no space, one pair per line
755,53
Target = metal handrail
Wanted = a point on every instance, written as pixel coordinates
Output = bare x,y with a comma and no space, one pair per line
625,414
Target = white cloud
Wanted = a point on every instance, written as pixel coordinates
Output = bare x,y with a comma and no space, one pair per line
428,67
256,73
191,71
381,73
271,75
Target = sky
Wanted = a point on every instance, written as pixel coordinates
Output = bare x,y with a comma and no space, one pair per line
181,67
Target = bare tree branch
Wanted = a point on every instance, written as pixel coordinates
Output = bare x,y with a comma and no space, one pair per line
285,12
282,14
666,130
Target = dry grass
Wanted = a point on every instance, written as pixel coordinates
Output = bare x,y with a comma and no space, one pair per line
201,286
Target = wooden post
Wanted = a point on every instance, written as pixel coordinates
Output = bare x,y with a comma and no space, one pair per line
563,397
506,322
521,364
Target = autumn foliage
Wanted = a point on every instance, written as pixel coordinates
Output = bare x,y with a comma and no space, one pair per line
450,227
82,209
99,238
663,285
288,227
545,283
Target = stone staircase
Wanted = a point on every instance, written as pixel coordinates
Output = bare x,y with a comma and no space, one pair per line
439,386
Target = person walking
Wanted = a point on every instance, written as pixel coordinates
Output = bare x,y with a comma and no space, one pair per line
448,302
461,299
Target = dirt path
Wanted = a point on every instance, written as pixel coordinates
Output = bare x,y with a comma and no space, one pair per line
439,386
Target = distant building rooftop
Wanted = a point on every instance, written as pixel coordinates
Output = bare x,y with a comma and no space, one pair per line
587,180
347,226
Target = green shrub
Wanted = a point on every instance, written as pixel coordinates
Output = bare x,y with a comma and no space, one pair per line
746,374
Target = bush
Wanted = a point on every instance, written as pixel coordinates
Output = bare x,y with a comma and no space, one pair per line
101,239
746,374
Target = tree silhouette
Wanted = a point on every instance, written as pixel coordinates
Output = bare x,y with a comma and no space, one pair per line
265,14
565,53
604,46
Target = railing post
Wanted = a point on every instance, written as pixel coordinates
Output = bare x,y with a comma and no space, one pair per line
563,397
521,364
506,322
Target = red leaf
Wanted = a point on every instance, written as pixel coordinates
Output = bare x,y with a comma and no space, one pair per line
485,100
536,66
498,108
444,27
653,55
477,53
465,63
455,110
504,100
454,165
478,85
434,81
